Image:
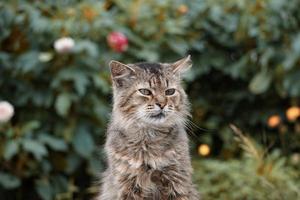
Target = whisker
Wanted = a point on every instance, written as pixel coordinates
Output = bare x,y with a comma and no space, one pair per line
188,126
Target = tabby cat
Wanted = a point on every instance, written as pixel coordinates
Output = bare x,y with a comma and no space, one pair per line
147,146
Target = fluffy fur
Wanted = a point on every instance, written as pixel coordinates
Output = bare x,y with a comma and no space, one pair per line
147,146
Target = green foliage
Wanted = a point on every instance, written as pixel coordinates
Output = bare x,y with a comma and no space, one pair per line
258,175
244,179
246,67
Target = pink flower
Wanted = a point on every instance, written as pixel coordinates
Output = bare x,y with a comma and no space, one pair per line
64,45
6,111
117,41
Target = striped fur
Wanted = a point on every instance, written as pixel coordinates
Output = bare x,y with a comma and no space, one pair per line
147,146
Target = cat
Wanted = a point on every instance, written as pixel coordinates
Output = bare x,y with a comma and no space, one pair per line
147,146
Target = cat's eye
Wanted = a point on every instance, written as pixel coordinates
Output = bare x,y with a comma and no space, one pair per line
145,91
169,92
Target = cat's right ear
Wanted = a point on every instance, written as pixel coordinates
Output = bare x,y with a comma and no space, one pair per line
120,72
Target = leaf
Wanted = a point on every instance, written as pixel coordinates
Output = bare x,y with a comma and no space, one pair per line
173,28
260,82
148,55
80,82
7,17
11,149
9,181
63,103
239,68
179,45
31,126
87,46
290,60
277,5
100,82
44,189
296,44
73,162
95,165
28,61
83,142
34,147
78,76
267,56
291,83
59,184
54,143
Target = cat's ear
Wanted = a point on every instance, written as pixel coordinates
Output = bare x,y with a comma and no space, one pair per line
120,72
182,65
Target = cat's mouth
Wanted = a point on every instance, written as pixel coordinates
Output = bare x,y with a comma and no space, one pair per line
158,116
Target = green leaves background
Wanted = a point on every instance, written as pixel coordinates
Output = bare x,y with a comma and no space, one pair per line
246,67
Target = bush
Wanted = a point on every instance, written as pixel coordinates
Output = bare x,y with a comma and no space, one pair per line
246,52
258,175
243,179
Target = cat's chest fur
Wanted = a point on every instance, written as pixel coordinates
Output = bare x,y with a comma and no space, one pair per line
144,148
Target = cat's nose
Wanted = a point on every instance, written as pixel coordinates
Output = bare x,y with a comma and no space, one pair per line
161,105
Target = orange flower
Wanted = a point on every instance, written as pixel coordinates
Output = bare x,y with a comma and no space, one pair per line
274,121
292,113
182,9
203,150
89,13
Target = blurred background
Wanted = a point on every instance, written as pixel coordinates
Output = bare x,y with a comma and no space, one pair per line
55,91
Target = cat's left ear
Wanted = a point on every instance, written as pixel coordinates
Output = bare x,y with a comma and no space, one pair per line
182,65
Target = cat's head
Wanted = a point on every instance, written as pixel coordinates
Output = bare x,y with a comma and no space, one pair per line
150,93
